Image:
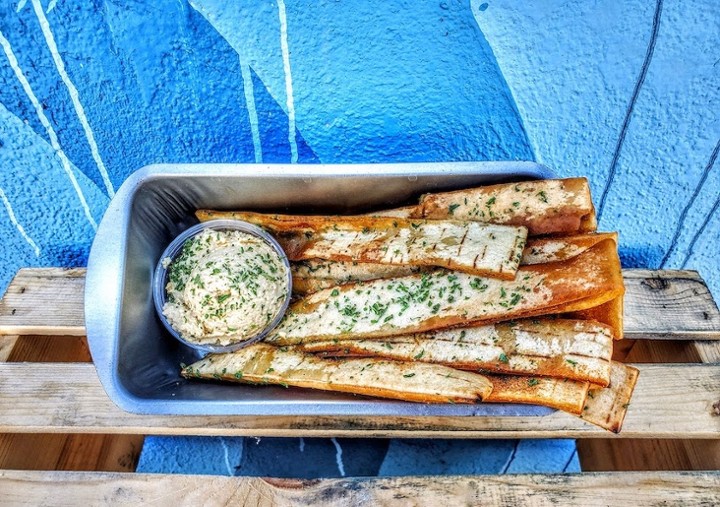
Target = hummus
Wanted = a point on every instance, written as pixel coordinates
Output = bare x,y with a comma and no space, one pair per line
224,287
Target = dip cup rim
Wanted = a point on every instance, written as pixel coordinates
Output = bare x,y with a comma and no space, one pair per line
160,274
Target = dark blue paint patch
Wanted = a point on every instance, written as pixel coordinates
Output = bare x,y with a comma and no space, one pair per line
483,7
35,60
305,153
387,82
12,95
446,457
313,458
273,128
70,255
640,256
161,84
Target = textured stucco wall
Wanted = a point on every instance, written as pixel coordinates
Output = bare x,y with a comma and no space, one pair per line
627,93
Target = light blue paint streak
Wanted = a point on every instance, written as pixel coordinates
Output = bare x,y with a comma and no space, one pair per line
44,202
288,81
372,82
18,226
72,90
50,131
338,456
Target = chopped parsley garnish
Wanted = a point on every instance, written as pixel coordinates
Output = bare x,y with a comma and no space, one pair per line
478,284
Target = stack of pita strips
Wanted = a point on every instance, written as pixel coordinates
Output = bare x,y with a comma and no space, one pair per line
502,293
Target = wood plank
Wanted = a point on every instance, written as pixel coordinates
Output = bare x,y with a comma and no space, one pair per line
669,304
670,401
652,454
114,453
599,455
45,301
707,350
51,349
588,490
111,453
7,344
658,304
659,351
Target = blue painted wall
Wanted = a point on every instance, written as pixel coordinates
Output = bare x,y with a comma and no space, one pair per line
627,93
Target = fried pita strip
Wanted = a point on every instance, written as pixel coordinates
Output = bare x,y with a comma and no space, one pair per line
314,274
420,382
430,301
404,212
566,395
470,247
610,314
561,206
555,249
606,407
572,349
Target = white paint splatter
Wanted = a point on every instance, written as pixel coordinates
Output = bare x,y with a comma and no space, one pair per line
302,444
338,456
17,225
252,112
74,96
20,5
51,6
48,127
288,82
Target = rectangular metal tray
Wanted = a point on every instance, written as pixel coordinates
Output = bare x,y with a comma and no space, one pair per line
138,362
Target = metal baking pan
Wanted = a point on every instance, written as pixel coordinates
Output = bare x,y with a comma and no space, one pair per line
138,362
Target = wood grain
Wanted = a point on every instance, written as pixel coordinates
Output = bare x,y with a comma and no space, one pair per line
658,304
587,490
54,349
7,344
599,455
654,454
45,301
670,401
669,304
57,451
111,453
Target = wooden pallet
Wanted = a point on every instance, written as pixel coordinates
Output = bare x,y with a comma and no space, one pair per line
56,416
